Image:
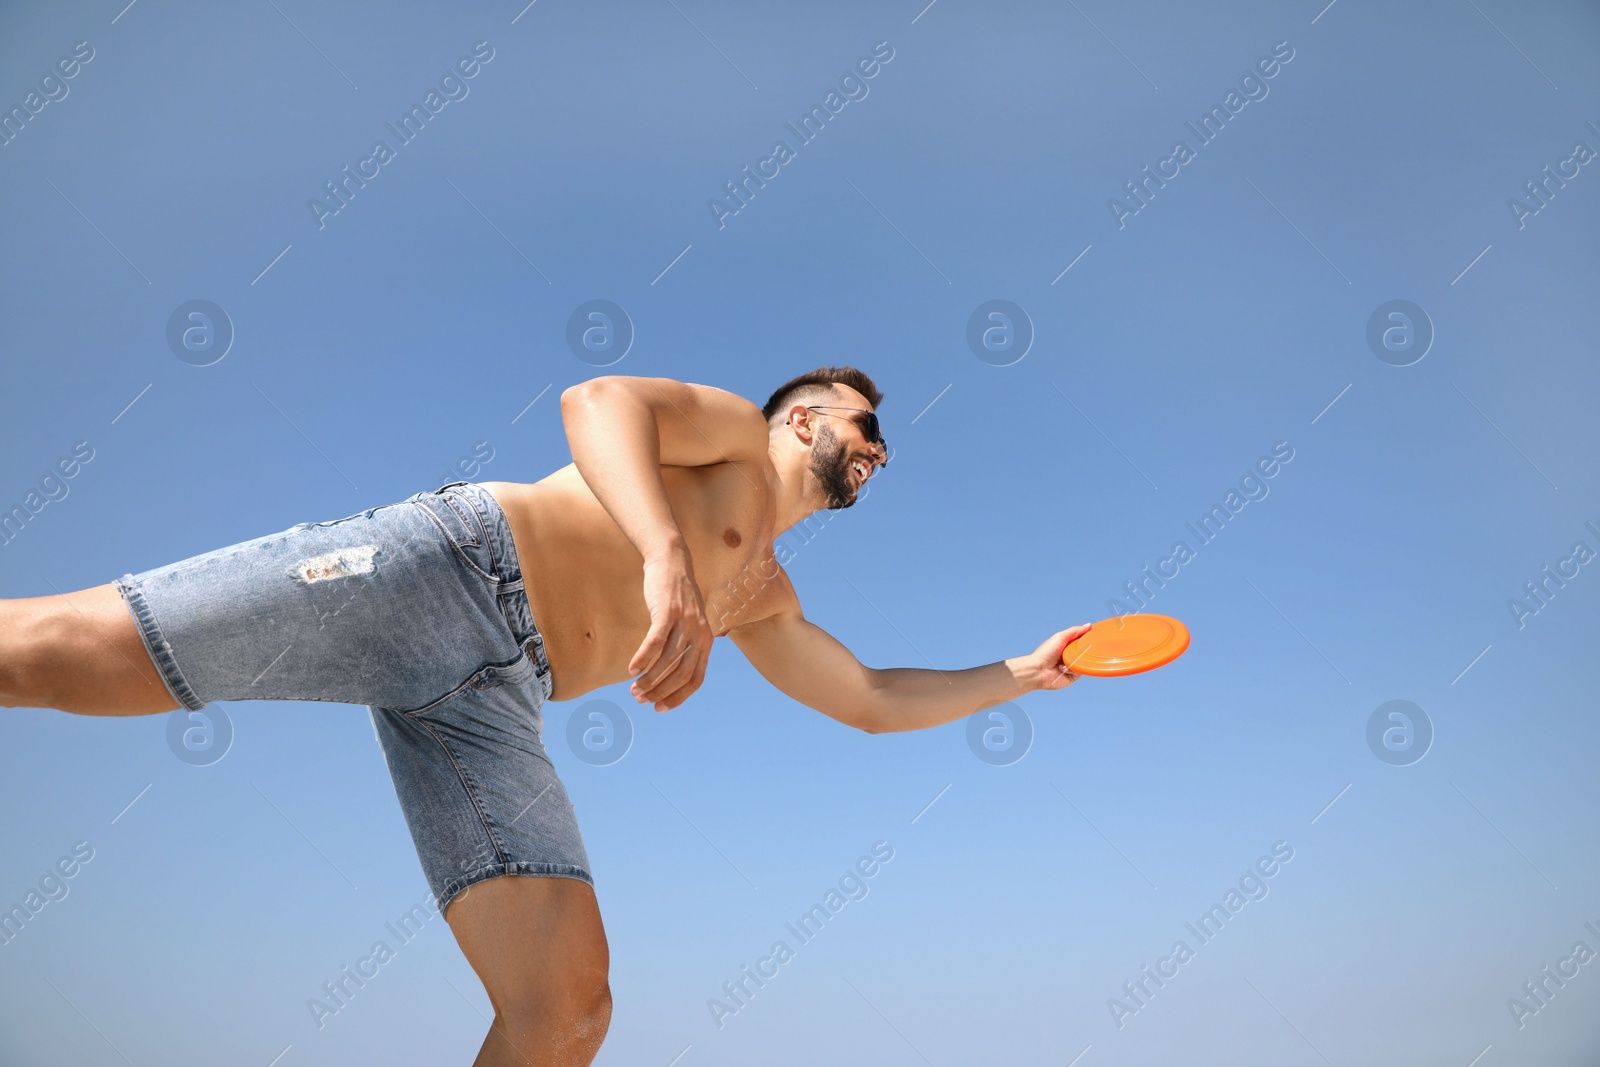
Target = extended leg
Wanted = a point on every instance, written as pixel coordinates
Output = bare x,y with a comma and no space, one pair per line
540,950
77,652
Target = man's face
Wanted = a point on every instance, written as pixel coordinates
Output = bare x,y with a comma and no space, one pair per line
842,460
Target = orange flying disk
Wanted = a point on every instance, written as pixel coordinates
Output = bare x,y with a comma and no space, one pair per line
1127,644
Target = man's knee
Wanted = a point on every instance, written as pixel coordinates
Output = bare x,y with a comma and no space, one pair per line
576,1010
50,657
540,949
82,655
592,1014
26,643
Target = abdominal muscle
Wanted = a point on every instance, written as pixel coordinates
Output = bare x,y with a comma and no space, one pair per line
584,579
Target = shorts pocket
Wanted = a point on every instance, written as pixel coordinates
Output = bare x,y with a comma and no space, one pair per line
489,676
471,521
458,522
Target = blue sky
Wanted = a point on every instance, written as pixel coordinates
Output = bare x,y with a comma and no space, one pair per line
1169,354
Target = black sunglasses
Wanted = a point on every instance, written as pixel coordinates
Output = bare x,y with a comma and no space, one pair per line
870,429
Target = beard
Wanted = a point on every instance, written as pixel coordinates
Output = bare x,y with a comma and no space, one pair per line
830,465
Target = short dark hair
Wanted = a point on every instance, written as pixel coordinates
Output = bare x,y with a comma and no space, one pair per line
817,384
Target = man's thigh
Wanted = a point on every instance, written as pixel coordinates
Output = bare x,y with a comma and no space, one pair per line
479,792
532,939
379,608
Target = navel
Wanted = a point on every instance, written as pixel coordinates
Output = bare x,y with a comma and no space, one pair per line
730,537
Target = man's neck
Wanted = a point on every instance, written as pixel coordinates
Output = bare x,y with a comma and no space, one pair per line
789,492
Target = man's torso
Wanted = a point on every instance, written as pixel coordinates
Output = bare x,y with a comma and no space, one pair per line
584,579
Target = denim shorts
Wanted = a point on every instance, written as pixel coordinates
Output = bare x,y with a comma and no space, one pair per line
417,610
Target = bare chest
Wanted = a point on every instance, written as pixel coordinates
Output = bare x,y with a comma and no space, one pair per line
730,539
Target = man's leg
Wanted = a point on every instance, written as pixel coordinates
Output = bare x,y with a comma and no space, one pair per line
77,652
386,607
540,950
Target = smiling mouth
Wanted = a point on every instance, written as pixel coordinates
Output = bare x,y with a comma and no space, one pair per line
861,469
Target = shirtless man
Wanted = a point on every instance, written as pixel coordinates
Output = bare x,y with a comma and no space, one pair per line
656,539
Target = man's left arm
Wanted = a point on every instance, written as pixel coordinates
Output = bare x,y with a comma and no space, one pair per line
809,664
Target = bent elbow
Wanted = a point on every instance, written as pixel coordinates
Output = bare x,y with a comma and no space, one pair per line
871,713
870,722
573,394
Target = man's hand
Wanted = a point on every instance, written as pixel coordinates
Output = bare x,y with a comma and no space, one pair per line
675,652
1042,668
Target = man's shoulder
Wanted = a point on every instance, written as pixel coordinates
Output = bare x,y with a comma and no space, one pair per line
673,392
700,425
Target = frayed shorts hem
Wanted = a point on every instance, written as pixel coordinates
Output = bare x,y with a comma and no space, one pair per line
156,643
456,886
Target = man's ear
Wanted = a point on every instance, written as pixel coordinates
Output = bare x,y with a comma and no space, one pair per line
801,417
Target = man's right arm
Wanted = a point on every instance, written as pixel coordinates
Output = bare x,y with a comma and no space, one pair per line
621,430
